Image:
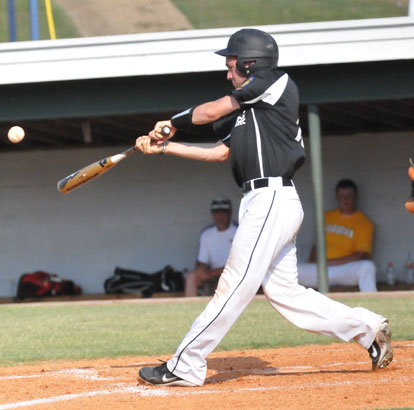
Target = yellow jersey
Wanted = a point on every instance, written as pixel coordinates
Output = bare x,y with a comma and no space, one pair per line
346,234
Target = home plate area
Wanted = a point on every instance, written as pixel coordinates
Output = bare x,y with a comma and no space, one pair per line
312,377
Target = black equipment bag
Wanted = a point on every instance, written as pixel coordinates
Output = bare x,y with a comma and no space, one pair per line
132,281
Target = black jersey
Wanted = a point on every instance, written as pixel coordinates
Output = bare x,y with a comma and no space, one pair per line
264,135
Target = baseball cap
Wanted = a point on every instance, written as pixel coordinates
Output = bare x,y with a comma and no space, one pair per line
221,203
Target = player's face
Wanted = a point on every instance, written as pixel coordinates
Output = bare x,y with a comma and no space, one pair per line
221,219
233,74
346,200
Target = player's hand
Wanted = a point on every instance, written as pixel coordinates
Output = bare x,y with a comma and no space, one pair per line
147,145
409,205
411,170
156,134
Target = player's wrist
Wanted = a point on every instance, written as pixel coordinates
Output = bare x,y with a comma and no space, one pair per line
183,119
163,147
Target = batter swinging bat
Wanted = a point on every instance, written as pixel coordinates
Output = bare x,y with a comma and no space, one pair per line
84,175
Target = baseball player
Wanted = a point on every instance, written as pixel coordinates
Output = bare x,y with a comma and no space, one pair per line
214,249
348,245
258,124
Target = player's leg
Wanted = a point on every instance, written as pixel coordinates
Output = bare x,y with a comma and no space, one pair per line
340,275
312,311
367,278
210,285
190,288
255,245
343,275
358,273
197,279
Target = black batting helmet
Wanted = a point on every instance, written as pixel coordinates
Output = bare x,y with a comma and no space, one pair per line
250,44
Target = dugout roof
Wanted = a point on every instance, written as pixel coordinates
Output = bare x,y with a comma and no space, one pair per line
108,90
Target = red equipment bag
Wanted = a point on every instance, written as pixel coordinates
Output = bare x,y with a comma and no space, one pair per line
39,284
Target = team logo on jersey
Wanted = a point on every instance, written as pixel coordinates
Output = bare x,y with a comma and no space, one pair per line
340,230
241,119
246,82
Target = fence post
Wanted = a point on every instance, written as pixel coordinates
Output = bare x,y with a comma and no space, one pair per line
12,20
316,165
34,20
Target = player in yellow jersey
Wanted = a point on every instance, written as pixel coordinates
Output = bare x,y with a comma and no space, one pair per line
349,236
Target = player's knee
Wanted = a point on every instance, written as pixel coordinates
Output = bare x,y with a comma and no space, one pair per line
368,271
201,275
368,268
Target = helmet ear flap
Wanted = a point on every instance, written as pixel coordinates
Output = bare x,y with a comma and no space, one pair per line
246,66
241,68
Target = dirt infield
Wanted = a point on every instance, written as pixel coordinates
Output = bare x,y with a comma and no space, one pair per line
312,377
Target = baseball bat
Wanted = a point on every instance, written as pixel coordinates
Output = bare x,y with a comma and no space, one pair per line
86,174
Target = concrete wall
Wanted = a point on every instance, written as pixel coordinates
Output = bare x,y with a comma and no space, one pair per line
148,211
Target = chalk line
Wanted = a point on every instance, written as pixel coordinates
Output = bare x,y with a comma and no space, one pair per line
174,391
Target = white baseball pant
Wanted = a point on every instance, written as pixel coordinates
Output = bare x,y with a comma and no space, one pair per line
361,273
264,253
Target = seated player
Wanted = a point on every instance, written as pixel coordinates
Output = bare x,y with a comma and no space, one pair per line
348,245
215,244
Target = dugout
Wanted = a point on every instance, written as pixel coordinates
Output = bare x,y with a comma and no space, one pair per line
82,99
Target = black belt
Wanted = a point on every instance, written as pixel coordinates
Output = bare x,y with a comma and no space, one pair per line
262,183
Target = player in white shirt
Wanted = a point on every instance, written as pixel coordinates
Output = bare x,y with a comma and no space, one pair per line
215,244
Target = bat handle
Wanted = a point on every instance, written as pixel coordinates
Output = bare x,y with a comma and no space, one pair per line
165,130
129,151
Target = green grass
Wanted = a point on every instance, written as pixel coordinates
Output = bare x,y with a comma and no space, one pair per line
230,13
44,333
63,24
219,13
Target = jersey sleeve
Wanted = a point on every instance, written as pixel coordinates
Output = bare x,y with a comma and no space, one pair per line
364,236
253,89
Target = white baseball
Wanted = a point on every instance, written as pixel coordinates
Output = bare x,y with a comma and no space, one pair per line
15,134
